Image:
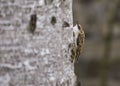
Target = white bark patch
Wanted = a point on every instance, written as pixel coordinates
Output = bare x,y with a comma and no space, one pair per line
44,52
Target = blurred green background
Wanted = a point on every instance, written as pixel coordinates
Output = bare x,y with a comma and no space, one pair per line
99,64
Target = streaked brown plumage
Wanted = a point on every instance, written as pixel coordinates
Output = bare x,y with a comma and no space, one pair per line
78,38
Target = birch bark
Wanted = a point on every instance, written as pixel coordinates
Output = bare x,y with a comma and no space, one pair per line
39,59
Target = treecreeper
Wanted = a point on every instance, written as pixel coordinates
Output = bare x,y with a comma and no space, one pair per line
78,42
76,48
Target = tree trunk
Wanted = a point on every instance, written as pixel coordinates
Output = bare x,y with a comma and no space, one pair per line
34,39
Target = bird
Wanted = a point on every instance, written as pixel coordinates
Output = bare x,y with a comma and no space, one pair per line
78,42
